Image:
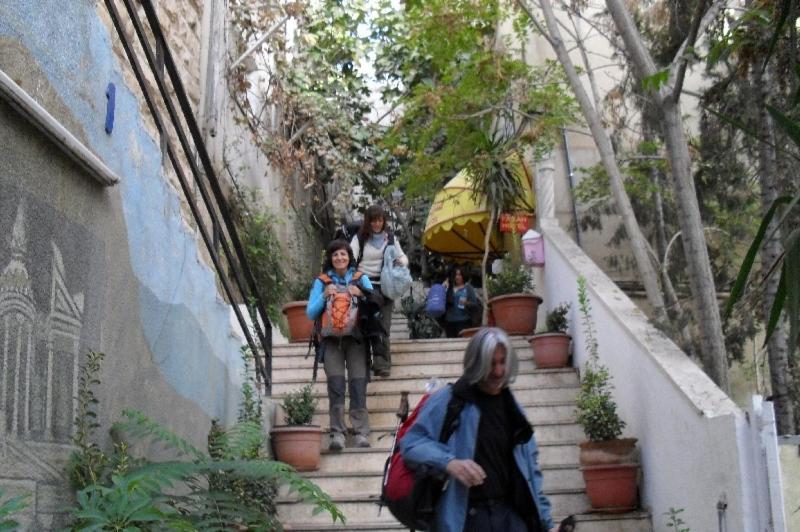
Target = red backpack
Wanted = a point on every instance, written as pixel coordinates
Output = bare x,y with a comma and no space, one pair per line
411,494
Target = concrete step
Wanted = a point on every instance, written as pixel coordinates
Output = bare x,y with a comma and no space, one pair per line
405,346
628,522
536,413
372,459
379,399
363,507
413,379
369,481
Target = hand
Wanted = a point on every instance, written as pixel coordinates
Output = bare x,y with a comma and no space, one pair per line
466,471
330,290
462,301
446,283
355,291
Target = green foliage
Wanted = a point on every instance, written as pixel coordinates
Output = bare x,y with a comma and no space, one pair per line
299,406
231,487
87,464
675,520
595,407
512,280
420,325
8,508
557,318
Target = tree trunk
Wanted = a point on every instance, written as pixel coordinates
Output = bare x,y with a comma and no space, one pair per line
639,245
701,280
777,348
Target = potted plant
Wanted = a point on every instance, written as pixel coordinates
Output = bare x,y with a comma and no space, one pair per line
300,327
514,306
551,347
299,443
609,464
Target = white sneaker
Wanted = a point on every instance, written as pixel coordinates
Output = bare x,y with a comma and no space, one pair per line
362,441
337,442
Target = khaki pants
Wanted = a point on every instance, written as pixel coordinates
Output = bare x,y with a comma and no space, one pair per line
346,355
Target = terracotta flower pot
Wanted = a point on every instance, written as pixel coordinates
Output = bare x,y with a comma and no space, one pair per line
619,451
516,313
550,350
298,445
300,327
612,488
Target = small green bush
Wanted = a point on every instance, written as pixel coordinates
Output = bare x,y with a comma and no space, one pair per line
557,318
512,280
299,406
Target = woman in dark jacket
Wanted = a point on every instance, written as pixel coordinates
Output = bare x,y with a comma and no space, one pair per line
462,301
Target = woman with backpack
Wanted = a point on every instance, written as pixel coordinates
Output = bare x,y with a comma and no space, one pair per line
462,303
369,246
333,301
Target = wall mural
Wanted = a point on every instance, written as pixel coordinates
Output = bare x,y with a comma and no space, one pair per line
39,348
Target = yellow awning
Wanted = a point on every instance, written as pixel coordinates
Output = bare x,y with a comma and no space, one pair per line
457,224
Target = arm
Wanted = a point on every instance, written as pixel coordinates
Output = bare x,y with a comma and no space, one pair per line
402,258
542,502
316,300
421,445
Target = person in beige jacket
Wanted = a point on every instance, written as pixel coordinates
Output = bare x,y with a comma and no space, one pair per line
369,246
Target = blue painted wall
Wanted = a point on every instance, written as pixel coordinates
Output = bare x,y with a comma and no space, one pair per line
185,322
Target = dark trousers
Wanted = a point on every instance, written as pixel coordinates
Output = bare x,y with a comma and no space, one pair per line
452,328
497,517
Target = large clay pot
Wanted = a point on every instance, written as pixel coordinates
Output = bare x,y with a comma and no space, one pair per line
612,488
619,451
610,472
300,327
550,350
516,313
298,445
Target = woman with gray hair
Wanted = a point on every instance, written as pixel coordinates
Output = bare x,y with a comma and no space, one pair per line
491,455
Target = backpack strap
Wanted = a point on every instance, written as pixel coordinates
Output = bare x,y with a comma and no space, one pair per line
325,278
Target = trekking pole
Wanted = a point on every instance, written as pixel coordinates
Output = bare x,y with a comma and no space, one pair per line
402,415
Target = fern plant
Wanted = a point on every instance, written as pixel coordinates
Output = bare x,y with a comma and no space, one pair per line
8,508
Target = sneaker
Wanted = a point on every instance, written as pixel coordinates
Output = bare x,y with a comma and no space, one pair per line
337,442
382,372
362,441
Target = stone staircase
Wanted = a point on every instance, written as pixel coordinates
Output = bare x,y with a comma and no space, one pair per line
352,477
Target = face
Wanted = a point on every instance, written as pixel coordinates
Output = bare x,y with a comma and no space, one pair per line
458,277
340,260
494,382
376,225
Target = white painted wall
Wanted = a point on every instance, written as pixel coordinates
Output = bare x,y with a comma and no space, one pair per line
694,440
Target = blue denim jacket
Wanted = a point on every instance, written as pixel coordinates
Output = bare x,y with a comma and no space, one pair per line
421,445
316,299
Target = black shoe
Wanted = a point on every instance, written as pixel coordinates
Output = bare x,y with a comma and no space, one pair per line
381,372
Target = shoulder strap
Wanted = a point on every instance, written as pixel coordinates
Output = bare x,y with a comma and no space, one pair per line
361,241
356,277
451,417
325,278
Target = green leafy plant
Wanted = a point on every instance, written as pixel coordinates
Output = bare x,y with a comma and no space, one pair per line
557,318
675,520
595,408
10,506
299,406
420,325
230,487
88,463
512,280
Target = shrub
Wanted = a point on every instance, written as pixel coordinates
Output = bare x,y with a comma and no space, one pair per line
512,280
557,318
299,406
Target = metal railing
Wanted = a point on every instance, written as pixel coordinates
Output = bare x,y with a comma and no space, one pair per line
222,228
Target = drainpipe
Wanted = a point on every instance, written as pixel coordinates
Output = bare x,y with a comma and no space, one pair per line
570,176
722,506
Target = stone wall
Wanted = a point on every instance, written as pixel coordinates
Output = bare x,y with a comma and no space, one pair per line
83,267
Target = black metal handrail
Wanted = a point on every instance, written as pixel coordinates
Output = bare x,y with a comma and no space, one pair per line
245,282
